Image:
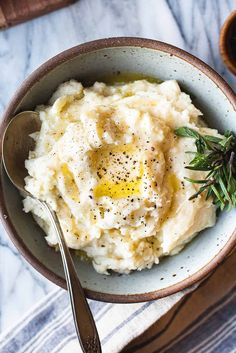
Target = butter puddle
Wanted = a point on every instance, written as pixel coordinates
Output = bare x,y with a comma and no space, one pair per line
119,171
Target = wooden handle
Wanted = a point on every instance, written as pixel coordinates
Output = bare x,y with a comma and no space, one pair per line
13,12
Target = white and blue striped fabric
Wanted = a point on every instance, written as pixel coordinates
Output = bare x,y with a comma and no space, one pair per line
49,328
204,321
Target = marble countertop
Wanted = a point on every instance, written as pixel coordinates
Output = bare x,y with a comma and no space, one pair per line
193,25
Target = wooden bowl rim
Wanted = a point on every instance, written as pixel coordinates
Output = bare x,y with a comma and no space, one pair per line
223,43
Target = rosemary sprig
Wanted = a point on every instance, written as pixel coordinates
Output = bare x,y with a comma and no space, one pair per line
217,156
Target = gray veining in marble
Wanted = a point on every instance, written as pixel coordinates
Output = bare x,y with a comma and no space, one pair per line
193,25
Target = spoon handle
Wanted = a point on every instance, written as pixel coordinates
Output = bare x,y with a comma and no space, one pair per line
83,319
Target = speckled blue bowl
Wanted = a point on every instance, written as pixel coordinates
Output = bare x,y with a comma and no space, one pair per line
89,62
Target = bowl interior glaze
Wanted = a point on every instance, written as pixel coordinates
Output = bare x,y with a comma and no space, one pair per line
88,65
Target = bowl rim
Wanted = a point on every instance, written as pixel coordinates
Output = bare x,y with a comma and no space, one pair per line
11,110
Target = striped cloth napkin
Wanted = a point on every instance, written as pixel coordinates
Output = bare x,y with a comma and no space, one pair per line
200,322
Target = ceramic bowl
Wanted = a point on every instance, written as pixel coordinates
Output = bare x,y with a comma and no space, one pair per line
87,63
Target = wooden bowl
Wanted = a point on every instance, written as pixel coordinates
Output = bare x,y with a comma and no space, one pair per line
228,42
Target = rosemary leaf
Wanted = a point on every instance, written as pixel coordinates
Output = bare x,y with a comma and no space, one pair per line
217,156
196,181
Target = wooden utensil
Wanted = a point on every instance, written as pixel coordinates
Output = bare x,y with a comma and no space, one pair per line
13,12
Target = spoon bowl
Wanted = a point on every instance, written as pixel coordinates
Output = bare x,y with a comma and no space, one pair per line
16,146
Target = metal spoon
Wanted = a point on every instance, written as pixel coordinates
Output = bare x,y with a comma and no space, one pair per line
15,147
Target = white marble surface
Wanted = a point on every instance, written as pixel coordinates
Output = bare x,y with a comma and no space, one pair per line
190,24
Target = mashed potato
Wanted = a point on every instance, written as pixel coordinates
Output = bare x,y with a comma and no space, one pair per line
108,162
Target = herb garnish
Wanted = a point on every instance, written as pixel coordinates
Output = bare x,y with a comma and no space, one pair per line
217,156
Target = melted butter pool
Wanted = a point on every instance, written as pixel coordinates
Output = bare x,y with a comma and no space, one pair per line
119,171
122,77
119,189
